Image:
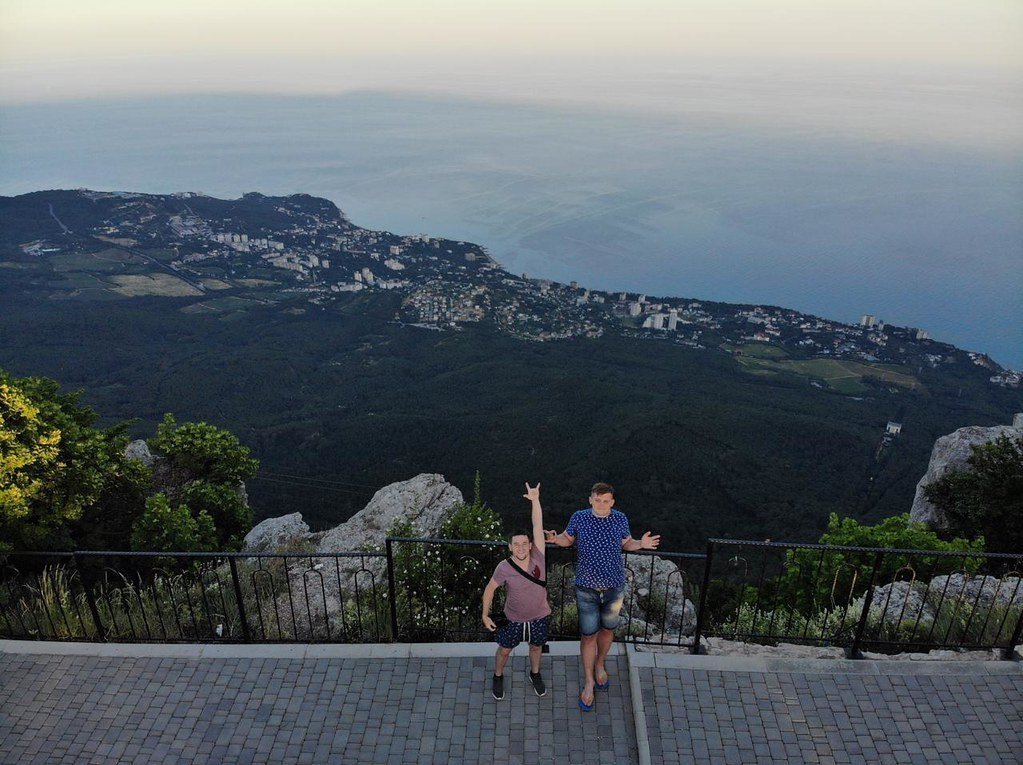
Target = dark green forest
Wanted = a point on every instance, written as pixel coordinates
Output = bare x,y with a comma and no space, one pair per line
338,401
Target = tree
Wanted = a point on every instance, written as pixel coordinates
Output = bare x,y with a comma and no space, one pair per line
209,465
54,465
162,528
204,451
987,499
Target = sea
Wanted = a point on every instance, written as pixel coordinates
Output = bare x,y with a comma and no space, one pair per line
699,205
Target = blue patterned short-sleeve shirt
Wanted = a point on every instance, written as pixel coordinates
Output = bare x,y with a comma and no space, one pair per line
599,544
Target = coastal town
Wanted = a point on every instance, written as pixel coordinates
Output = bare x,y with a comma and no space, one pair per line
226,254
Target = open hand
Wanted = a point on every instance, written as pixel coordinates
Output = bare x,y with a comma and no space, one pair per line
489,624
649,541
532,493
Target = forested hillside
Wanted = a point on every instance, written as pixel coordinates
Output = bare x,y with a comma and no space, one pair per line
337,401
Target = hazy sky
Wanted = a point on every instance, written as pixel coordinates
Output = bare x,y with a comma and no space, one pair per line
62,49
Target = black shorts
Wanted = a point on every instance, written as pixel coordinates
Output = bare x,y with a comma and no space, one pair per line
513,633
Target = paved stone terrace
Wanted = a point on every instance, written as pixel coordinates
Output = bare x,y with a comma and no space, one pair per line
371,704
815,713
173,711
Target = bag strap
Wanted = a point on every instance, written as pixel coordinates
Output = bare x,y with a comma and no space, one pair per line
530,577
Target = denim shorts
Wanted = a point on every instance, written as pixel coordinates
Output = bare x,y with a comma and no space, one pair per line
598,608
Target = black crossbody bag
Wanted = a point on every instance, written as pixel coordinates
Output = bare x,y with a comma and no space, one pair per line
530,577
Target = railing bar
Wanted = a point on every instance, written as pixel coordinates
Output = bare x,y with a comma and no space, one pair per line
1008,607
291,600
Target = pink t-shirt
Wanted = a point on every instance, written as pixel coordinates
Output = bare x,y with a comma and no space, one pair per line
525,600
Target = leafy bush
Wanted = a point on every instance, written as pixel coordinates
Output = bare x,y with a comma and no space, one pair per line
162,528
815,579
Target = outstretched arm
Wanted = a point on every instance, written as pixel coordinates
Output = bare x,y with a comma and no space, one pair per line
561,540
647,542
533,495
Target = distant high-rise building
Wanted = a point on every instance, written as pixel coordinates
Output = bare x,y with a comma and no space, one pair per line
868,320
923,334
634,309
672,320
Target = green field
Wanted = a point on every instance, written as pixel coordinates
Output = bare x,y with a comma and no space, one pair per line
759,351
106,261
841,375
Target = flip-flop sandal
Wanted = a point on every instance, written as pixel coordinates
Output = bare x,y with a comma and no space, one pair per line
605,685
584,706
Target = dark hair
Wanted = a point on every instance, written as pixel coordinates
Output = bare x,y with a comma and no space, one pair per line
602,488
520,533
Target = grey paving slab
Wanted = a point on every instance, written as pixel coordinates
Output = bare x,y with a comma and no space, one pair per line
65,708
821,715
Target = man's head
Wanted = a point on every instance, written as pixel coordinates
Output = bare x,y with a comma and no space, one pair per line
519,545
602,498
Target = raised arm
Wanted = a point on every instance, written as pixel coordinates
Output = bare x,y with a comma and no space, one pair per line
533,495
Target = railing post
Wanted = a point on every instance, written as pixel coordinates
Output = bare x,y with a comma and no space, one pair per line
239,599
854,649
701,613
101,631
1016,635
391,590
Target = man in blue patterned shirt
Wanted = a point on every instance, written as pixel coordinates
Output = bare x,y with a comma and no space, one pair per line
601,533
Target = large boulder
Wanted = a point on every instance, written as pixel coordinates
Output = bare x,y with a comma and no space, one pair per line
656,594
952,452
424,500
139,450
277,534
339,582
978,591
903,605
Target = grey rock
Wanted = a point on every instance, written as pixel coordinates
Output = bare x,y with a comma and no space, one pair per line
139,450
424,500
346,564
958,590
952,452
902,603
656,591
277,534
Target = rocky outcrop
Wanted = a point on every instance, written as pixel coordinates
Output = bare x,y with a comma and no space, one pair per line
277,534
424,501
952,452
325,591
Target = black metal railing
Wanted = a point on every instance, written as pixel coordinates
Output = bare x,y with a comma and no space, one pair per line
413,590
861,598
437,588
194,597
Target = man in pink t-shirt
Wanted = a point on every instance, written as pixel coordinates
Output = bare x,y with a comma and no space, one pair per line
524,573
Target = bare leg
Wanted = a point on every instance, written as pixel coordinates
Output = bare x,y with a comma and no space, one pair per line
604,640
500,659
588,651
535,652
